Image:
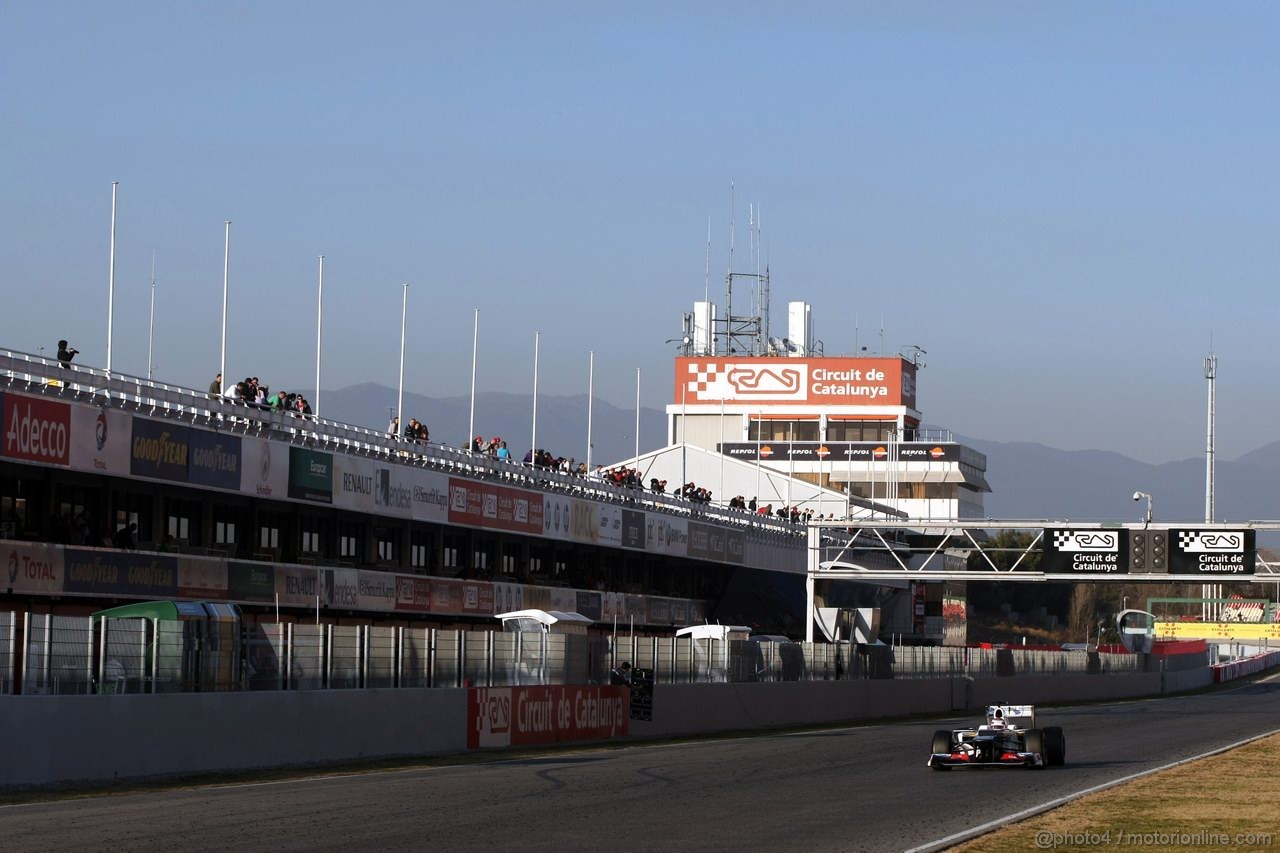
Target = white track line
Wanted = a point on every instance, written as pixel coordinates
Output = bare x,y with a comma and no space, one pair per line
989,826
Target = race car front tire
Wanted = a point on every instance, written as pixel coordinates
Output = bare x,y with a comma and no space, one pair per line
941,741
1033,741
1055,746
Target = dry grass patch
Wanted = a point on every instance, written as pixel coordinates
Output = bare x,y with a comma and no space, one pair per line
1186,808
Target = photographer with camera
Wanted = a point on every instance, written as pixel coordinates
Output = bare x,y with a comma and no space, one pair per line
65,354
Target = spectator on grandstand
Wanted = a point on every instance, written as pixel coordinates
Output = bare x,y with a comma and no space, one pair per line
503,452
65,353
124,537
393,428
751,504
215,387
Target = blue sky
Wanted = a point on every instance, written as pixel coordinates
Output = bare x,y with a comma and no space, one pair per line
1062,203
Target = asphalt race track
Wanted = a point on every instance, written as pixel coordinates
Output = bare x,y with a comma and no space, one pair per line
850,789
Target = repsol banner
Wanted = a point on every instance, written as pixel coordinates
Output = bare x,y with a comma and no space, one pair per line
843,452
96,572
521,716
159,450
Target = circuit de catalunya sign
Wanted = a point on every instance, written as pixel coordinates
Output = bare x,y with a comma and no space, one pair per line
521,716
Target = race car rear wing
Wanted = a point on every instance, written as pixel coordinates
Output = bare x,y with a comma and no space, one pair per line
1014,716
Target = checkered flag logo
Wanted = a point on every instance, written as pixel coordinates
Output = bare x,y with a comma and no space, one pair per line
1085,540
1210,541
703,377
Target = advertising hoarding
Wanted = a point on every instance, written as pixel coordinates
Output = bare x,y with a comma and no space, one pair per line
827,382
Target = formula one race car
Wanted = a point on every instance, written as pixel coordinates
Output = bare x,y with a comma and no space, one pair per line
1009,738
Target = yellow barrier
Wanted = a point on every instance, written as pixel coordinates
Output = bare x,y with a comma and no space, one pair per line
1218,630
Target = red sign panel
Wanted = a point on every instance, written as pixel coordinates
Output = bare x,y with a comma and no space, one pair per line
35,429
497,507
519,716
828,382
413,594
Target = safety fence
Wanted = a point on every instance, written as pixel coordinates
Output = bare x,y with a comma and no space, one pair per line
42,654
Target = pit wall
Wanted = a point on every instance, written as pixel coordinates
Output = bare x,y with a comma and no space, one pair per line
92,739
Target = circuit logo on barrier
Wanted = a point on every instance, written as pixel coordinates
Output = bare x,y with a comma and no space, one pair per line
1211,541
1085,540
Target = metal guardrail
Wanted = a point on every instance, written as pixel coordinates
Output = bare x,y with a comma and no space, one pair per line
47,377
72,655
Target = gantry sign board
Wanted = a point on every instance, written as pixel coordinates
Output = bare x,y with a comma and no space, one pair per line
1067,552
1178,552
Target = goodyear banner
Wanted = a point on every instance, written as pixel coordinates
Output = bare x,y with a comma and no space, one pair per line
159,450
214,460
123,573
521,716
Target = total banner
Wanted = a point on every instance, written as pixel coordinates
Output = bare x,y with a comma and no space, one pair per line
522,716
32,567
100,440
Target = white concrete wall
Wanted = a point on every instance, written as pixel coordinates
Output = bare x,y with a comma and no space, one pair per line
51,739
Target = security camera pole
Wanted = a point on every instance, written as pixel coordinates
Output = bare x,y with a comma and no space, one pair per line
1137,496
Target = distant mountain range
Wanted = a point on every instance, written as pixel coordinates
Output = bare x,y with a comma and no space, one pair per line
1031,480
562,421
1028,480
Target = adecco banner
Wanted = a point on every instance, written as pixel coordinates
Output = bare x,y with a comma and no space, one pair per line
35,429
521,716
159,450
796,381
264,468
32,567
100,440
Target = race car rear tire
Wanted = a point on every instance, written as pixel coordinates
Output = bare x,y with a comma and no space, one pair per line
1055,746
941,741
1033,741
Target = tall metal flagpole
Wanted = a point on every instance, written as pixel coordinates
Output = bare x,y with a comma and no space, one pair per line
591,378
533,440
315,408
151,329
111,274
475,341
226,271
404,316
637,456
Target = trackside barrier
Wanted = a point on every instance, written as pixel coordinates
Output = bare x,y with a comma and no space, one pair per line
68,655
1245,666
